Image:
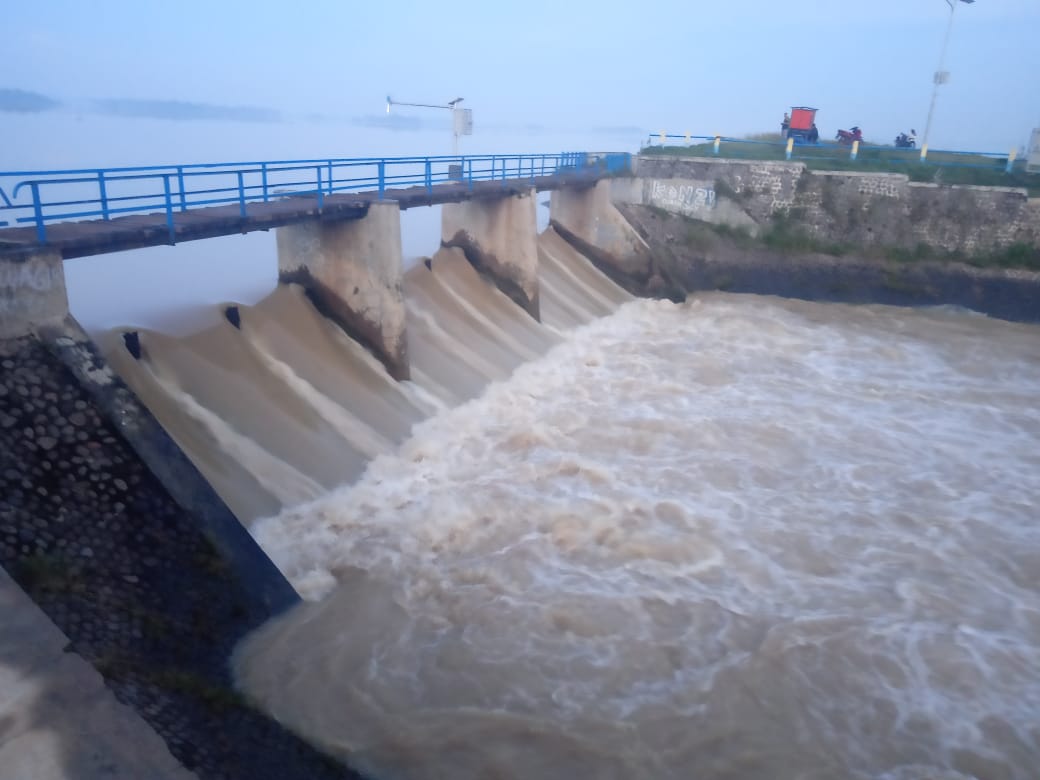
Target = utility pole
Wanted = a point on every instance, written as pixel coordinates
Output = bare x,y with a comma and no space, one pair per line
941,76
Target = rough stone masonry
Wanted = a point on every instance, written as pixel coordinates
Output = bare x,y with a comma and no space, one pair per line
859,209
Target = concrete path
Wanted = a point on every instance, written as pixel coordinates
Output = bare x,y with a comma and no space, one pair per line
58,721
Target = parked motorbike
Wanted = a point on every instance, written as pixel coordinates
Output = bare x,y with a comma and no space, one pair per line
904,141
848,136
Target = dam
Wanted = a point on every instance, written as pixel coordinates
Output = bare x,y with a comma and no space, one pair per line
570,528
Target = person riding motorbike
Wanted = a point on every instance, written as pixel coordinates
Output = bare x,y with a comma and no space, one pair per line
849,136
907,141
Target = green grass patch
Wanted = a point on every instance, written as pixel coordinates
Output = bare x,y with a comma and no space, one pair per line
740,235
786,235
1017,255
1012,256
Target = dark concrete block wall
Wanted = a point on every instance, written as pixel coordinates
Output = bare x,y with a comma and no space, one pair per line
153,594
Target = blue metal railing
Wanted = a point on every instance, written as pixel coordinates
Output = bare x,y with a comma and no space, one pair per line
40,198
725,146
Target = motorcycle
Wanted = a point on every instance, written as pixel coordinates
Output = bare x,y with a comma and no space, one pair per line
847,137
904,141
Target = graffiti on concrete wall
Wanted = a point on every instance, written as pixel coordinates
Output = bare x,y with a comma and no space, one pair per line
682,198
35,275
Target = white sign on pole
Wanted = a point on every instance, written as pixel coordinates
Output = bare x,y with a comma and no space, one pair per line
463,121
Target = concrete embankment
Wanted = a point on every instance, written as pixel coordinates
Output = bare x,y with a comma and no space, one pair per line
121,544
780,229
701,259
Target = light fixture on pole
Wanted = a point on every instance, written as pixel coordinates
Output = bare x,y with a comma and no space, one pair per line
461,118
941,76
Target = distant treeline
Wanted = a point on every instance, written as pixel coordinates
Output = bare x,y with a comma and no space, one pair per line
26,102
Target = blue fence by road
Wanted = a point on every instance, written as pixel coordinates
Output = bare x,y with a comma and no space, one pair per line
43,197
724,146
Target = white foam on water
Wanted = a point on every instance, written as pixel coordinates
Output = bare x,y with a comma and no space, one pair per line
741,537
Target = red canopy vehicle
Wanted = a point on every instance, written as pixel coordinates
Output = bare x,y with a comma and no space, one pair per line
802,125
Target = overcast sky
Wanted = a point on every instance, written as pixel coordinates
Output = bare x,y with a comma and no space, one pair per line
532,71
123,82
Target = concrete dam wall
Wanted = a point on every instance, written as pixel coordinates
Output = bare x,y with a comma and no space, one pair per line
130,471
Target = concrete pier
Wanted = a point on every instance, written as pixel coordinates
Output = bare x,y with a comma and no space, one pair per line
352,271
588,219
32,293
500,239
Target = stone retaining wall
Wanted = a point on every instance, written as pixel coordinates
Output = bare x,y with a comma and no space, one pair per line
857,209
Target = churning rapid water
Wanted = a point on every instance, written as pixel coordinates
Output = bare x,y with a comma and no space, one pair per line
736,538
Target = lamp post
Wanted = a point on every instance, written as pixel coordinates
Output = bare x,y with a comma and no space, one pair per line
461,118
941,76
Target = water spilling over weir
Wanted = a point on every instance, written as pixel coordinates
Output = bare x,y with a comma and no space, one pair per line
737,537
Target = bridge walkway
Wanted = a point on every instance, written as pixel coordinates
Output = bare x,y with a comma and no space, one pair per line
135,231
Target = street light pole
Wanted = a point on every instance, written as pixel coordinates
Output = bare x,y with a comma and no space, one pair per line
941,76
451,106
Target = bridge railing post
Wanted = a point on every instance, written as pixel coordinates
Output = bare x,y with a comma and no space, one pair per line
103,194
41,229
169,208
263,180
429,177
382,178
321,195
241,196
180,187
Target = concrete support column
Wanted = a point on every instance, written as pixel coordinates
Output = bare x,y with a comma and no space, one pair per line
588,219
352,270
500,239
32,293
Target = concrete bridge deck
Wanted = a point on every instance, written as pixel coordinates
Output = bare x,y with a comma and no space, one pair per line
136,231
